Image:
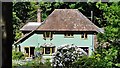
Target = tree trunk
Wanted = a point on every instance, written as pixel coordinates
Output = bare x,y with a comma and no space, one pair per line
7,39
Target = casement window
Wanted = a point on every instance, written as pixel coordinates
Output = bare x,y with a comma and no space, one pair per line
48,50
84,35
67,35
48,35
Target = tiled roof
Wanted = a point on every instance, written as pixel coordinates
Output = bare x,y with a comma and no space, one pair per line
24,37
30,26
67,20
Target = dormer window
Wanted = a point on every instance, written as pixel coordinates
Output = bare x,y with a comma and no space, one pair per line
84,35
67,35
48,35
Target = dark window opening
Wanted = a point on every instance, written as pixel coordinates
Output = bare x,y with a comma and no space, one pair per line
32,51
53,50
84,35
68,34
19,48
86,49
27,51
47,50
48,35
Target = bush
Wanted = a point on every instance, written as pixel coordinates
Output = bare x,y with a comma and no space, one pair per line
47,62
95,61
17,55
33,63
66,55
105,59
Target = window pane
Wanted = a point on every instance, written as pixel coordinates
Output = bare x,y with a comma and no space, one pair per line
68,34
72,34
47,50
82,35
53,49
27,50
47,34
44,34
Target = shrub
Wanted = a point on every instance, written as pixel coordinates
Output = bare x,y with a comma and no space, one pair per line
105,59
95,61
47,62
66,55
17,55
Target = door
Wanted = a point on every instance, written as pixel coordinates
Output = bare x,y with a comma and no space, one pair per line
29,51
32,51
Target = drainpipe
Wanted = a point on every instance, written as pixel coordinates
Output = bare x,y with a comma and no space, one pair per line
93,34
93,42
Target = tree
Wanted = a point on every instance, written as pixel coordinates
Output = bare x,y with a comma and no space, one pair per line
111,13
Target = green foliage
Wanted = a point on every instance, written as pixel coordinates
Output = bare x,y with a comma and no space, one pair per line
95,61
47,62
17,55
118,64
111,13
33,63
18,34
15,65
38,49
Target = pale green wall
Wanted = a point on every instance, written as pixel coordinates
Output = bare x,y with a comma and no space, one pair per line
58,39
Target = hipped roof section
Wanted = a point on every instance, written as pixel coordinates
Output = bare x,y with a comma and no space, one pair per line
30,26
67,20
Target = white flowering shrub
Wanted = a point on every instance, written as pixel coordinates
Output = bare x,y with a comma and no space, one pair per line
66,55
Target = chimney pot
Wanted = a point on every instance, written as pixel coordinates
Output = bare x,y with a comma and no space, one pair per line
39,15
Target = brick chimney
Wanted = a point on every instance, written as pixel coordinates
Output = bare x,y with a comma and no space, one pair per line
38,15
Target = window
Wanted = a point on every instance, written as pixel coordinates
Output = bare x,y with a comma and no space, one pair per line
26,49
48,50
48,35
86,49
67,35
84,35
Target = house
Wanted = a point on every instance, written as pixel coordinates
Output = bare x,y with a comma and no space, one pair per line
62,26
